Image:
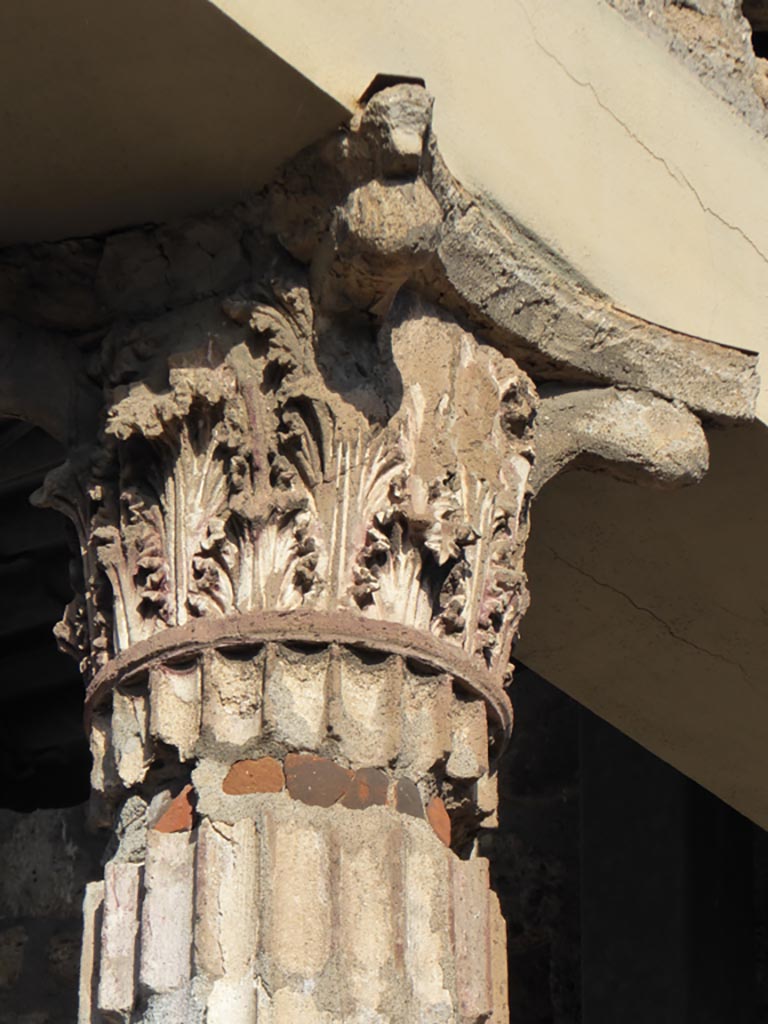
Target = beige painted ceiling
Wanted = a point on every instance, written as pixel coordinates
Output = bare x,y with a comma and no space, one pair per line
127,111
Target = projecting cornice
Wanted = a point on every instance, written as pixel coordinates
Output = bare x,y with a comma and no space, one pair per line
369,214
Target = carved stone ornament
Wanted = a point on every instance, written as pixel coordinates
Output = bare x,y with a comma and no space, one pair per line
253,499
304,440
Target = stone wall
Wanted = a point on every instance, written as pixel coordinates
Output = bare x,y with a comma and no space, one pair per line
46,858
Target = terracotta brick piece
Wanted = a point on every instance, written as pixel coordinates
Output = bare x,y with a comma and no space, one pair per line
262,776
439,819
369,786
179,816
316,780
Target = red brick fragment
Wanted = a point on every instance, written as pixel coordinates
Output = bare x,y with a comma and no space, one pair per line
439,819
179,816
407,799
316,780
369,786
264,775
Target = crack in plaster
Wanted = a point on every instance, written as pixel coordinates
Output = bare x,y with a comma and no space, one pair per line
649,611
675,173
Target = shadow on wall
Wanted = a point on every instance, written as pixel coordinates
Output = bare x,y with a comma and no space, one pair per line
651,609
534,854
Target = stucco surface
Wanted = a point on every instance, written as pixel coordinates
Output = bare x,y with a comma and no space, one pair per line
649,608
581,127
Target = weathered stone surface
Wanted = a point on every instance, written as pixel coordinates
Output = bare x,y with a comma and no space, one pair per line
175,706
367,717
629,433
227,919
130,736
166,923
469,740
317,781
397,120
598,343
264,775
295,698
713,38
233,696
427,928
426,729
499,982
300,916
367,922
120,926
472,938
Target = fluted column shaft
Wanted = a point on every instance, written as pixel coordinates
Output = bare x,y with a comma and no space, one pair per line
289,853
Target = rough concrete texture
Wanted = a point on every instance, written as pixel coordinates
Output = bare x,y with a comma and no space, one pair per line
633,434
46,860
489,270
714,39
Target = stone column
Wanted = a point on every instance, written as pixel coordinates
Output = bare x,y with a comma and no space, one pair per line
296,615
301,524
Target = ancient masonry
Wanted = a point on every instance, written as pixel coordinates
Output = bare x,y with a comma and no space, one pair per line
304,438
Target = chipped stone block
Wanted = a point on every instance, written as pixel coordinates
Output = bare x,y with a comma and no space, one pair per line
427,929
398,119
104,777
227,912
295,697
471,940
133,752
469,740
232,696
487,798
166,923
426,708
366,714
120,925
174,695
